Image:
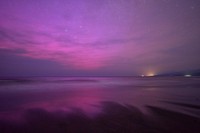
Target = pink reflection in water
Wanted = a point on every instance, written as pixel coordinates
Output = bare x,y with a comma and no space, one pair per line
65,94
85,99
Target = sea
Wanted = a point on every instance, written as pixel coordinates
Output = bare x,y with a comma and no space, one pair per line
89,94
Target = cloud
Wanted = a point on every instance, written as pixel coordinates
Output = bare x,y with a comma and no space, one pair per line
60,49
132,36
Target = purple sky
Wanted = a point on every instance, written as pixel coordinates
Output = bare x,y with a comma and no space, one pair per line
98,37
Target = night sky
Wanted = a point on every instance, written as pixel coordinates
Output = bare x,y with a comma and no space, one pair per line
98,37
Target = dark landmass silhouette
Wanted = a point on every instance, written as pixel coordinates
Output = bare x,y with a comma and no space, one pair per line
195,72
114,118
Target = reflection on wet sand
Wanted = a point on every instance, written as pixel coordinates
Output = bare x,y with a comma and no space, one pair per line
114,118
100,105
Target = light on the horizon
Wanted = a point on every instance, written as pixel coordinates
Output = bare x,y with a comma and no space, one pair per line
150,74
187,75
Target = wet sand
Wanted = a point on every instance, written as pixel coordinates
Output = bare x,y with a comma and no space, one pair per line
100,105
114,118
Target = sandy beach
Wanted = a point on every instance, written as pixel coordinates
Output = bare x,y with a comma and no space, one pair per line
100,105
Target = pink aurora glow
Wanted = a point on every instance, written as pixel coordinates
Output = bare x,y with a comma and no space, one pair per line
132,37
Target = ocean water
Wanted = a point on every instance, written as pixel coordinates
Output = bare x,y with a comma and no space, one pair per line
87,93
100,104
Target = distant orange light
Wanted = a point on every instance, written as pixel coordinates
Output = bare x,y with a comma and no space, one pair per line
150,74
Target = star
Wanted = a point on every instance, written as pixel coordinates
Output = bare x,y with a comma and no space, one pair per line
192,7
